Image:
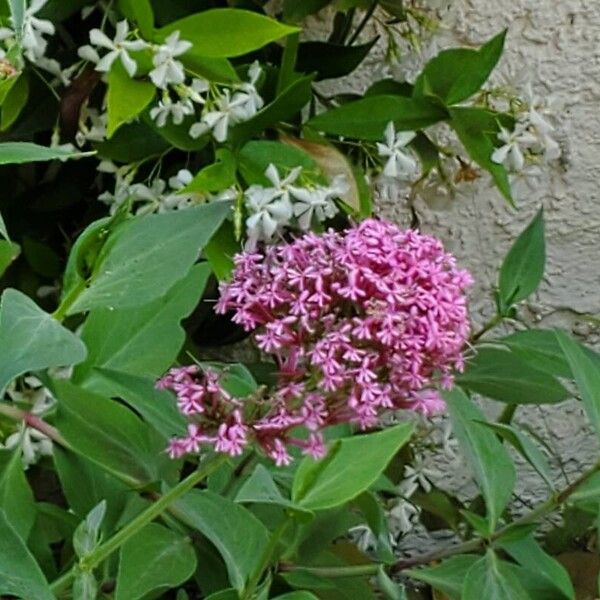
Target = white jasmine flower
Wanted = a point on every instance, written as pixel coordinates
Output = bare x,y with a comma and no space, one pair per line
92,126
510,154
53,66
122,190
34,29
535,118
167,108
403,516
401,164
271,207
197,89
149,196
228,111
178,182
167,70
317,202
119,47
252,99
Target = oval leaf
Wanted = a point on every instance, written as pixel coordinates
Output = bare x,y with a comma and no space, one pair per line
351,467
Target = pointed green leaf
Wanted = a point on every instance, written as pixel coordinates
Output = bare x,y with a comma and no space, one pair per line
492,579
20,575
108,434
488,459
154,560
447,577
587,376
23,152
145,256
240,538
525,447
504,376
142,341
528,553
351,466
16,497
216,177
477,129
523,267
157,407
456,74
126,97
226,32
31,339
9,252
367,118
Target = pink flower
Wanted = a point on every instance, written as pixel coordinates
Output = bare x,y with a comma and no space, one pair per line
358,322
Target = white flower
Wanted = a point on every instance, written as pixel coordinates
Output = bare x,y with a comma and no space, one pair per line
178,182
197,89
167,108
270,207
95,130
317,202
228,111
53,66
252,101
534,118
118,47
167,70
150,196
34,29
401,164
123,178
403,516
510,154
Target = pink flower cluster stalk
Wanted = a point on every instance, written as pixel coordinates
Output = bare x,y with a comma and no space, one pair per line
359,323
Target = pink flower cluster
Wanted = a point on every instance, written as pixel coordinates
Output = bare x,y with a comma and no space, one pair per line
359,322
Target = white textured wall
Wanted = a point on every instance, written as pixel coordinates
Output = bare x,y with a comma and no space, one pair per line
558,44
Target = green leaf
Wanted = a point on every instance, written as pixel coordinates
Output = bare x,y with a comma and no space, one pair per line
367,118
226,32
126,97
157,407
296,10
297,595
221,249
351,466
261,488
20,575
133,142
487,457
141,341
140,12
492,579
523,267
240,538
24,152
16,497
31,339
146,256
14,102
330,61
528,553
525,447
504,376
17,15
177,135
256,156
291,101
477,129
9,252
587,377
448,576
215,177
154,560
108,434
456,74
391,589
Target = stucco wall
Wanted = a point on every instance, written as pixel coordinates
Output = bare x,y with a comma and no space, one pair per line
557,43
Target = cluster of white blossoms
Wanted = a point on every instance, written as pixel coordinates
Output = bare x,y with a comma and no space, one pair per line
285,203
531,138
158,195
220,106
30,442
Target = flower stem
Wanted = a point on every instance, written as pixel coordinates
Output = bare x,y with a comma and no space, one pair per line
63,308
336,572
493,322
102,552
31,420
543,509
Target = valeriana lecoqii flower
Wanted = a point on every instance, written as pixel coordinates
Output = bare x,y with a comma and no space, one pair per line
358,322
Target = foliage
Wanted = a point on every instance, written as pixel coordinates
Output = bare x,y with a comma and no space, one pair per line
203,133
